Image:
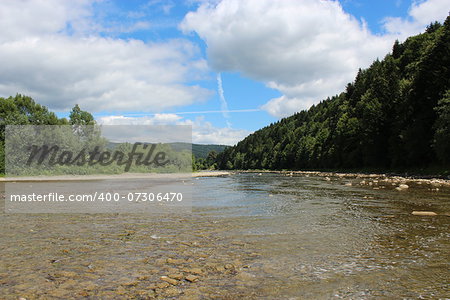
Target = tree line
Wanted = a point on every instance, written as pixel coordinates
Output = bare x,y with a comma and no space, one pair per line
23,110
394,115
82,136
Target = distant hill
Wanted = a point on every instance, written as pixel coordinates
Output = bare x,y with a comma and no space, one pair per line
199,150
395,115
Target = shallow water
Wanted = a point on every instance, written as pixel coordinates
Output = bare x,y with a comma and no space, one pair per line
249,236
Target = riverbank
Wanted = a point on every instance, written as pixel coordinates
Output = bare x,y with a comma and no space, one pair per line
117,176
435,181
369,177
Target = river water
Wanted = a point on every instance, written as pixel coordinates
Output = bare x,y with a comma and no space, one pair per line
256,236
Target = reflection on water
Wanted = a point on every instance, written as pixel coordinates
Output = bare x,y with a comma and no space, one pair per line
268,236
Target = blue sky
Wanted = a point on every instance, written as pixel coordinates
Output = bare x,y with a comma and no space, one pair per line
155,61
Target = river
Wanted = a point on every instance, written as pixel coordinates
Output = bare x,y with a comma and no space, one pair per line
255,236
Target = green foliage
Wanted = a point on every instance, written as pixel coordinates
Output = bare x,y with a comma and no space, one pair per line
395,114
442,127
208,163
80,117
82,133
22,110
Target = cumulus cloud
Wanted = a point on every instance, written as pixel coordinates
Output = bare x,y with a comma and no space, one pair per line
307,49
51,50
203,132
22,19
420,14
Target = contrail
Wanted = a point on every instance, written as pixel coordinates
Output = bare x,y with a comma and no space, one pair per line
223,101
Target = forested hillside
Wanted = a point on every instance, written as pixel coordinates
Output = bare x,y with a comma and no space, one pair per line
396,114
199,150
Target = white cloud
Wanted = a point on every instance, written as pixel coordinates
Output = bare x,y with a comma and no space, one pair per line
22,19
307,49
157,119
203,132
421,14
51,50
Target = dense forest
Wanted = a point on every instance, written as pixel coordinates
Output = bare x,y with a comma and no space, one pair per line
394,116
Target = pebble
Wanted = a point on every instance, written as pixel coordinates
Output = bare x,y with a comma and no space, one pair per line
169,280
196,271
82,294
402,187
424,213
244,276
172,270
130,283
87,285
68,284
60,293
162,285
435,183
68,274
177,276
220,268
172,292
174,261
191,278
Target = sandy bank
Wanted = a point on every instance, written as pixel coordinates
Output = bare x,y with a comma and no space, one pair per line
116,176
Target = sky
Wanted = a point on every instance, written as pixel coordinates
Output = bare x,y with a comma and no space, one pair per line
226,67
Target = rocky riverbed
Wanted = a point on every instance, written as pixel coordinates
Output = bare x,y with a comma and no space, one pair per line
285,236
121,256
